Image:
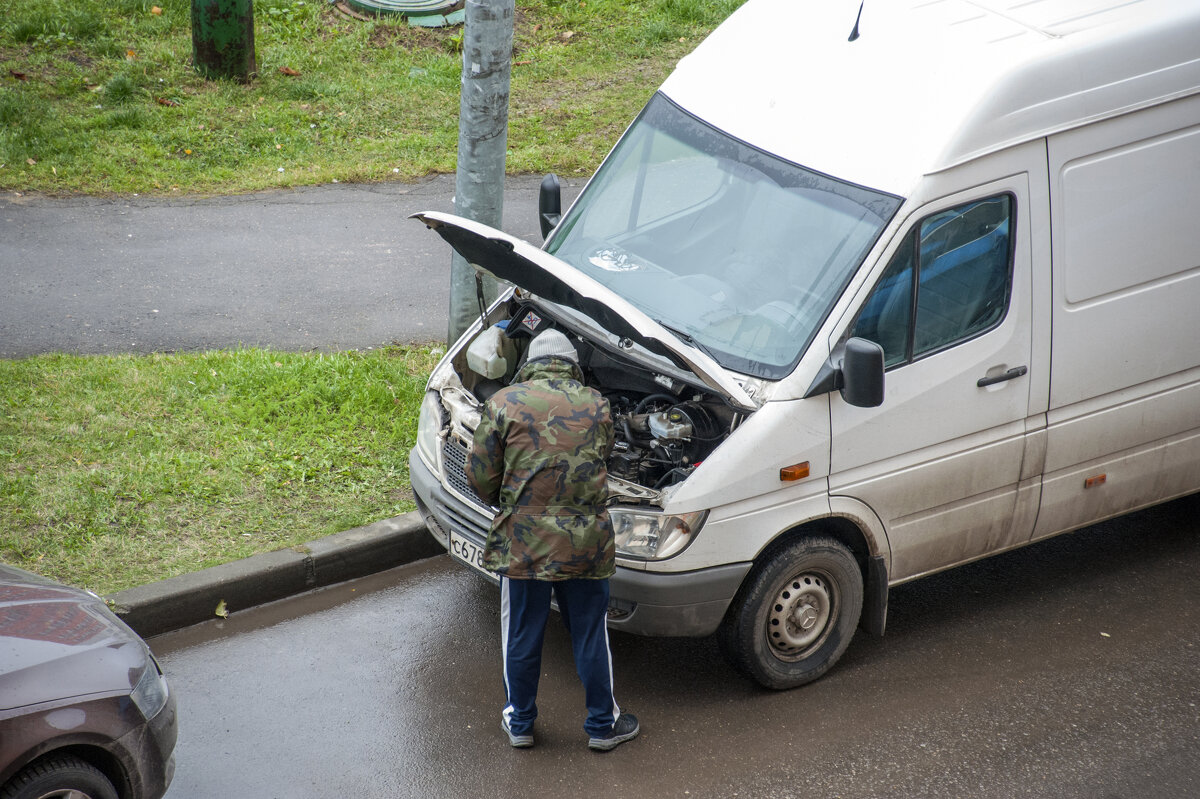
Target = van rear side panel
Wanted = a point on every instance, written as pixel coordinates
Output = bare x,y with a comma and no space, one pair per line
1125,383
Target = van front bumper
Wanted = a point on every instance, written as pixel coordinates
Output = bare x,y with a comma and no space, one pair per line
681,604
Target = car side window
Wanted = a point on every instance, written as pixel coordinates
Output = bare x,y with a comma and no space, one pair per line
949,281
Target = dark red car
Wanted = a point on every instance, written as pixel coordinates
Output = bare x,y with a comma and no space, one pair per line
85,711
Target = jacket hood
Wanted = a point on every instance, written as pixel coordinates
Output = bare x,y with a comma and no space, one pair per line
549,368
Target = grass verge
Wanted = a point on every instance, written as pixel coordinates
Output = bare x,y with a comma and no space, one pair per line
99,96
118,471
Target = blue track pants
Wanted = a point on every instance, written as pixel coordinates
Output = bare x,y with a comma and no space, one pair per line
583,605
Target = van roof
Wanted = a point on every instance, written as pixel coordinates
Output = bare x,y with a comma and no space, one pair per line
931,83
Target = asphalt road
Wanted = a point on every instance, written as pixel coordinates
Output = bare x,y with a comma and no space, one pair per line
1067,669
332,267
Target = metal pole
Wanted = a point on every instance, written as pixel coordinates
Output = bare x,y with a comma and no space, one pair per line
223,38
482,142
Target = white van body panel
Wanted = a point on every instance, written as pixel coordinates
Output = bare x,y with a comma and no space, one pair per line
1125,402
747,464
1124,198
740,531
930,83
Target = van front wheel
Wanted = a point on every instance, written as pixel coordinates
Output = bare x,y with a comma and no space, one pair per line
795,615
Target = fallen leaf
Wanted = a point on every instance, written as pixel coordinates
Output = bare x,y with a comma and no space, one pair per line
130,55
221,610
567,35
156,11
18,75
166,101
522,63
289,71
30,161
54,169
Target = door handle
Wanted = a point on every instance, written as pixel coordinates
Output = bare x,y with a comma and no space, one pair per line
1012,373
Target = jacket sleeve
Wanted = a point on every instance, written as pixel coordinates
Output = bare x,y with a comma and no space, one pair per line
485,468
607,432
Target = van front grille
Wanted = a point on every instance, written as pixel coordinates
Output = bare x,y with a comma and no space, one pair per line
454,461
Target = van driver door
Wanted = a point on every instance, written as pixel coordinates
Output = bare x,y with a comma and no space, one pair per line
941,460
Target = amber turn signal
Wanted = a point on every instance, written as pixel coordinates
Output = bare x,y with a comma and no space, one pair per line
797,471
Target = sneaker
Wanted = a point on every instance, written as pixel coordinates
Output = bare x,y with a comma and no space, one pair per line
518,740
625,728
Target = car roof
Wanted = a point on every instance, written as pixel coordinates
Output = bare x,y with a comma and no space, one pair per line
929,84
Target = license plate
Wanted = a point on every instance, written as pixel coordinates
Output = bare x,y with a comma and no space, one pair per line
470,553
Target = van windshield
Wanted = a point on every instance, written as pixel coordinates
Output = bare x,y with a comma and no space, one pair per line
741,253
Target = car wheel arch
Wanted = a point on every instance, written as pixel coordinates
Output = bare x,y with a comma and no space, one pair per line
88,751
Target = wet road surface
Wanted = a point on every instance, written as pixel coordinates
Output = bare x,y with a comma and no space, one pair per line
1067,669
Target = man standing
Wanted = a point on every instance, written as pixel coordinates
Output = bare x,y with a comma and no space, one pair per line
539,454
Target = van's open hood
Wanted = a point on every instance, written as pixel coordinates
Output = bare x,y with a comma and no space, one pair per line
540,273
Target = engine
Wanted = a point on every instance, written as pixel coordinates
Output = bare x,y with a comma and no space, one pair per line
660,440
663,428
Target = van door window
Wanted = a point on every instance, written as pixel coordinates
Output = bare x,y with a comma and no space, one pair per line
948,282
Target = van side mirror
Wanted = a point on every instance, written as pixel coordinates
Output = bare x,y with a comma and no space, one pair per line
862,373
549,204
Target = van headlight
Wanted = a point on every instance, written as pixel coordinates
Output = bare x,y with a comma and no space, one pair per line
654,536
429,425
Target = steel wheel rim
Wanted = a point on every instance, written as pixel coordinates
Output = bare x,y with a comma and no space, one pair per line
801,615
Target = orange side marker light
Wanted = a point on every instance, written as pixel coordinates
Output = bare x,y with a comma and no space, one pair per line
1092,482
797,471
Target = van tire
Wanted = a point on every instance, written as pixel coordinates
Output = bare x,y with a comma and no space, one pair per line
795,615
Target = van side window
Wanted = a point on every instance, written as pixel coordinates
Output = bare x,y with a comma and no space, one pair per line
958,263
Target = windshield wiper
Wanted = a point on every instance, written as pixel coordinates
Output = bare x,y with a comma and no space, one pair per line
687,338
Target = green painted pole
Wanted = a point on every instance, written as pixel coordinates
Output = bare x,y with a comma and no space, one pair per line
223,38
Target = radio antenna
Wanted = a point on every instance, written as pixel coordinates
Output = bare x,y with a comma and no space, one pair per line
854,33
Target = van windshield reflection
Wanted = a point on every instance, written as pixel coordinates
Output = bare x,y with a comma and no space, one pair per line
742,252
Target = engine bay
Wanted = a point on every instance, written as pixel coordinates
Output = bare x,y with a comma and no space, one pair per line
663,426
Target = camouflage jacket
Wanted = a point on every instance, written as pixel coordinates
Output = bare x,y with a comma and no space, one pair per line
539,453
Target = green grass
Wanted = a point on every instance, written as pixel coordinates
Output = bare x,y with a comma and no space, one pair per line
99,96
117,471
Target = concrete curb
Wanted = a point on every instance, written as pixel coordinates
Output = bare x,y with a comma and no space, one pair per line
192,598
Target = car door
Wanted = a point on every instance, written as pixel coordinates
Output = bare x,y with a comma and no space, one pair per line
940,460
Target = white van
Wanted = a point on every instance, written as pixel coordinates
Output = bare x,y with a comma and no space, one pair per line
870,297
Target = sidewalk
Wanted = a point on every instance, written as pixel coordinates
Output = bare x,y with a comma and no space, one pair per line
332,267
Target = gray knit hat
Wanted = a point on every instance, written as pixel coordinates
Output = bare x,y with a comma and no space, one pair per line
551,343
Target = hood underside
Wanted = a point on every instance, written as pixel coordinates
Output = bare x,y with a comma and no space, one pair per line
514,261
